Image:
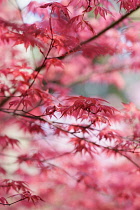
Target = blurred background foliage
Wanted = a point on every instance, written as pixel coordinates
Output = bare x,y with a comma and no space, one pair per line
129,93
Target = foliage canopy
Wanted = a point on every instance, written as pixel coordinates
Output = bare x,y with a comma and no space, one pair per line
60,150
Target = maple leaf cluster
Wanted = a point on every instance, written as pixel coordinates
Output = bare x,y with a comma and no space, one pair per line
58,149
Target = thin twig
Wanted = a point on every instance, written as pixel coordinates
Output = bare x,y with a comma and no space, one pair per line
9,204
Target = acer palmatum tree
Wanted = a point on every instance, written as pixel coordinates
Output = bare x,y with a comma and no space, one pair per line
59,150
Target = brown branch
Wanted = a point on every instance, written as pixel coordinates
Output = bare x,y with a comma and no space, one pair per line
58,156
129,159
100,33
9,204
92,38
119,151
39,68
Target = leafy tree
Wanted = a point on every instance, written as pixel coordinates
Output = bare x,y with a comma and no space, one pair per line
59,150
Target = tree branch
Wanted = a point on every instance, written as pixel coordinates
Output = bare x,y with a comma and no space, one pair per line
9,204
100,33
93,37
